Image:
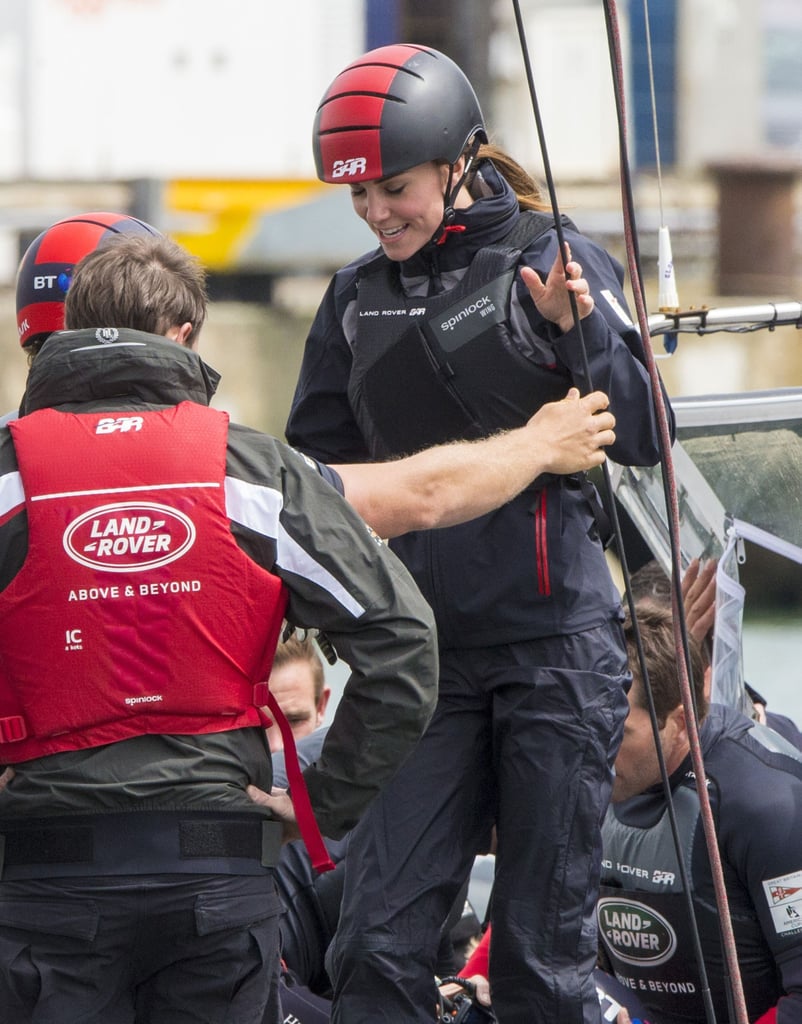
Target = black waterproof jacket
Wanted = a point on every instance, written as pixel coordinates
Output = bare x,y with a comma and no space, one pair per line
535,567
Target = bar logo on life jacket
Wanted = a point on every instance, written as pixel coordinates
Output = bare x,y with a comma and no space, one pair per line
129,536
635,933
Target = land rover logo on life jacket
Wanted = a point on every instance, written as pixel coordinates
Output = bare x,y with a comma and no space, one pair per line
129,536
635,933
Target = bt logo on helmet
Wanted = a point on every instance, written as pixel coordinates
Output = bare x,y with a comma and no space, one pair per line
354,165
50,281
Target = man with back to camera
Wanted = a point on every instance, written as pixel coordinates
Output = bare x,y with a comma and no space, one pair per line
158,549
578,437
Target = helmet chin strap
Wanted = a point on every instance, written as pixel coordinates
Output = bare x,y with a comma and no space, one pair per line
446,227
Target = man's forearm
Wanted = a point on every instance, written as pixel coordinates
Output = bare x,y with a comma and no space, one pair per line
456,482
442,486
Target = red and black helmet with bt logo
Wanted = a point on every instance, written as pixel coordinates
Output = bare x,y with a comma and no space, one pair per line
393,108
45,270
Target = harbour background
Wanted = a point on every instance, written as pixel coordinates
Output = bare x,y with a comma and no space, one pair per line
772,660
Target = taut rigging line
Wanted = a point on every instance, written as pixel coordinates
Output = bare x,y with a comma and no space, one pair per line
738,1014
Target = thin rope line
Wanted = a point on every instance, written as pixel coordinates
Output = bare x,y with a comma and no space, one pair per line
652,93
735,988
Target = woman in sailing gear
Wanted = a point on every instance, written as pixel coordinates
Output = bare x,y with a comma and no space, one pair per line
148,552
458,325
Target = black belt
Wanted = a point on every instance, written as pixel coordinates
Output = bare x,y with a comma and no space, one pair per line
139,842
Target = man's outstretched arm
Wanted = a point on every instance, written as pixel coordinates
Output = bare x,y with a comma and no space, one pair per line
455,482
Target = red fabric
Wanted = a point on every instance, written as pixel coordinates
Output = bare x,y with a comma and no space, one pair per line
135,611
450,229
542,545
479,960
68,241
769,1017
304,815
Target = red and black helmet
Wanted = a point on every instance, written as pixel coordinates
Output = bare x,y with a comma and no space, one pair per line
45,270
391,109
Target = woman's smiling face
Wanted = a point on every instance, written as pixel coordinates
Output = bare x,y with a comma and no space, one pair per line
404,211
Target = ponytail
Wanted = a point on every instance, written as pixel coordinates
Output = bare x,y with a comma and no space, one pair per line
530,196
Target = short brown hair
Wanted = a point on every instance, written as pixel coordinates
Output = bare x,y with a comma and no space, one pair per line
651,582
296,649
146,283
656,629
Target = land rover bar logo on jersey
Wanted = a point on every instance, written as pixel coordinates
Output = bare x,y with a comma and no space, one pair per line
129,536
635,933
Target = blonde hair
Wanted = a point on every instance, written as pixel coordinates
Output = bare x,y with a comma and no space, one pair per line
297,649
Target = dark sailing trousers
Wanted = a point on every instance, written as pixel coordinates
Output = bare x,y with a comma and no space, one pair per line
524,736
150,949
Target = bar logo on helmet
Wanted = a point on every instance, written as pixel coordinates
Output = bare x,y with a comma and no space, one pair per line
348,168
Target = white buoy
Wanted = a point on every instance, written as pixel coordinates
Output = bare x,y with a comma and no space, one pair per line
668,300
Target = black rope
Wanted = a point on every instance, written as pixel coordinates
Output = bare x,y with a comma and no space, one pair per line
735,992
607,488
660,412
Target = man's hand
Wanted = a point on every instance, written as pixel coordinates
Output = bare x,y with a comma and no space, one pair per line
280,805
482,986
572,434
699,598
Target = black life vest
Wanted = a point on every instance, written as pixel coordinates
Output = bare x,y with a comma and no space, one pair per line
432,369
644,922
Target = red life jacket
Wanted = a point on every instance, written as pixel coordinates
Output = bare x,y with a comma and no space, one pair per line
135,611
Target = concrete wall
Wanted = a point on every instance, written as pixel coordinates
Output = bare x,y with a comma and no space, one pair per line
571,71
719,81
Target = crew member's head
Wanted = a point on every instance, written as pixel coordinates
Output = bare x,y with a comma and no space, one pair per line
46,269
401,126
143,282
637,766
298,683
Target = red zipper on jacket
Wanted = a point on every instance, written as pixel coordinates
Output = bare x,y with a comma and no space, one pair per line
542,546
